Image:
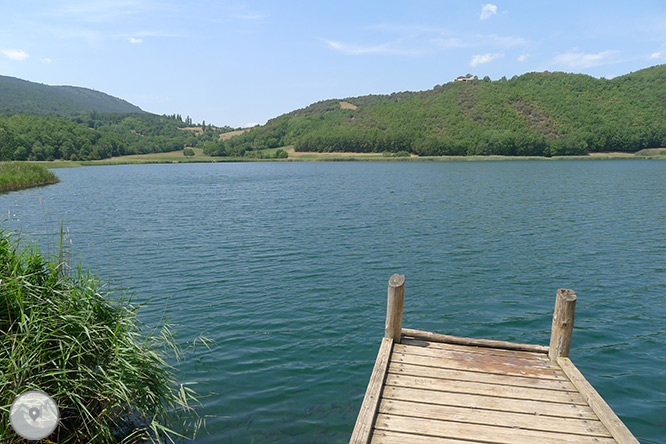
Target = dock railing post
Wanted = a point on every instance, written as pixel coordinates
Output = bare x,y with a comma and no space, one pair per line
563,322
394,306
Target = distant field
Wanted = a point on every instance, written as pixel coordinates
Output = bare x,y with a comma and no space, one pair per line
173,156
230,134
314,155
194,129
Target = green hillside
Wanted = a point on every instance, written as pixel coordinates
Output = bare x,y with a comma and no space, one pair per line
41,122
548,113
20,96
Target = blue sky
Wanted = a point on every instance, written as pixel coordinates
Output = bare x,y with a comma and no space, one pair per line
242,62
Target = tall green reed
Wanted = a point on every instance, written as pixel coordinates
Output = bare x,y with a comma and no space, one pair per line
67,333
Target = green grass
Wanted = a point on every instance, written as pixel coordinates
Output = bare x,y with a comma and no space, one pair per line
62,331
20,175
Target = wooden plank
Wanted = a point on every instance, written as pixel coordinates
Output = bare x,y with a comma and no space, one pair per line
471,348
437,337
488,378
607,416
366,416
474,354
483,433
477,388
440,362
494,418
386,437
536,408
481,363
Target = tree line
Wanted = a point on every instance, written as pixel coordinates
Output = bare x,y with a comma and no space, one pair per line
94,136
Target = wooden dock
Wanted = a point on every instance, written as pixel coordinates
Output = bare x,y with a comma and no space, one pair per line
433,388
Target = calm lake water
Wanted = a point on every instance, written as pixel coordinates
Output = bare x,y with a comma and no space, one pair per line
285,266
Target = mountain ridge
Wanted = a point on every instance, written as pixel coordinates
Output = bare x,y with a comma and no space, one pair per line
19,96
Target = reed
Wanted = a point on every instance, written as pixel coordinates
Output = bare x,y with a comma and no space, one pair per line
19,175
69,335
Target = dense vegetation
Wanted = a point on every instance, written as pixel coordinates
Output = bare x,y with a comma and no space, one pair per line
42,122
542,114
21,96
17,176
94,136
64,333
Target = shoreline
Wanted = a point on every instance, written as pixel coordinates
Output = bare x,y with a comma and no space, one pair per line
176,157
107,162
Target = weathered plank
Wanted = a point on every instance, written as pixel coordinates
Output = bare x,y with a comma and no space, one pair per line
494,418
477,388
366,416
536,408
614,425
472,349
474,354
386,437
481,363
483,433
437,337
488,378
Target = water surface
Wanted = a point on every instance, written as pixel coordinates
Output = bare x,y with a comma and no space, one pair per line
285,266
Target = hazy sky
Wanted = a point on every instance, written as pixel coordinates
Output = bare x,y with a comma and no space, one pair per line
241,62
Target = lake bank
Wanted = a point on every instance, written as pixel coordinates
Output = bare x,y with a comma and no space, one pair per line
16,176
199,157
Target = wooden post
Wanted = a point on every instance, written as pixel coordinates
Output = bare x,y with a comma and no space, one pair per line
394,305
563,322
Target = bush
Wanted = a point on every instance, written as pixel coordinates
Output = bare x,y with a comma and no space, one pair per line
281,154
73,338
188,152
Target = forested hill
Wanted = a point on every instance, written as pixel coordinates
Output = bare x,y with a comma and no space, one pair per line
547,113
41,122
20,96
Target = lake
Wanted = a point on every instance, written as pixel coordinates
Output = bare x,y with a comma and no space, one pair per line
285,266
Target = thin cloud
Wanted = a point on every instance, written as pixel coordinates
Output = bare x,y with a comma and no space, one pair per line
451,42
501,41
134,40
96,11
45,60
384,48
577,60
488,10
522,57
480,59
15,54
249,16
656,55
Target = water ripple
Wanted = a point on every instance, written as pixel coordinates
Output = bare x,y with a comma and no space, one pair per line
285,267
